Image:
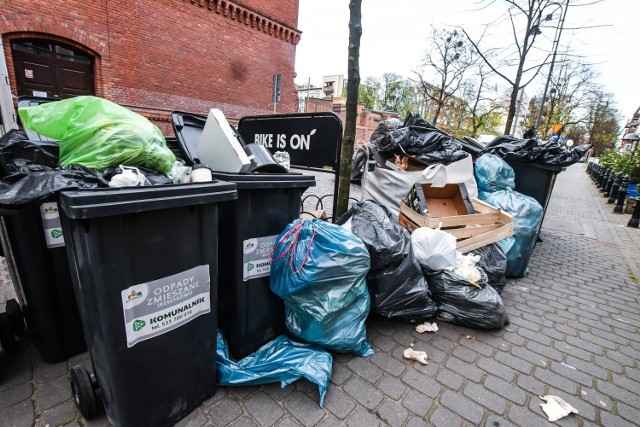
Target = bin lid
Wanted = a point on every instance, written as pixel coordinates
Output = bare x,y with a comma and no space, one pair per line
91,203
248,181
188,129
550,168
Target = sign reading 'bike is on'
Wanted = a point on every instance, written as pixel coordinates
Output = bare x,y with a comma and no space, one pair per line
312,139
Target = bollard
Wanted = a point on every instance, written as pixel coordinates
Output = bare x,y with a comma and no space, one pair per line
606,180
634,222
607,186
594,173
613,194
605,176
602,175
622,194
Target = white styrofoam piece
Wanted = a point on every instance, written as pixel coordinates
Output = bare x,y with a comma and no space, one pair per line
219,147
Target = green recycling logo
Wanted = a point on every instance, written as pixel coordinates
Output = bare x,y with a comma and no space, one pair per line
138,324
250,266
56,233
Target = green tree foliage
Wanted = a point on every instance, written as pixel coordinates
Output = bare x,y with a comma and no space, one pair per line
624,163
602,122
368,93
390,92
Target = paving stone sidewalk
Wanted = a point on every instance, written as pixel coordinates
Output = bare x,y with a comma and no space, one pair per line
574,333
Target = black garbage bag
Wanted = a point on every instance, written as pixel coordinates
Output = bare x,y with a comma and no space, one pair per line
18,152
419,138
463,303
493,262
397,286
513,149
360,156
416,137
385,127
39,185
33,183
530,133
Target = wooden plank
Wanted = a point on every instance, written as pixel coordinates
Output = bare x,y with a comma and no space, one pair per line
472,235
469,245
489,216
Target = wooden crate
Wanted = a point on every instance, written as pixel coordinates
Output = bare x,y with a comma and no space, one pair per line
488,225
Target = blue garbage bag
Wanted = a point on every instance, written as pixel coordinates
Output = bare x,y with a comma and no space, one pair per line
319,270
497,179
493,174
278,360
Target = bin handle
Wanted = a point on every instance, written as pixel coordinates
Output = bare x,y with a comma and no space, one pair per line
290,250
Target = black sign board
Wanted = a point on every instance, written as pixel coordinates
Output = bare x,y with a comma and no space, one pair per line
313,140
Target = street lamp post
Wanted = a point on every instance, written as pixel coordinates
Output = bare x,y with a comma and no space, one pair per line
556,42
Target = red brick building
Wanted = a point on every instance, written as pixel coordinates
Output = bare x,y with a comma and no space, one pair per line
155,56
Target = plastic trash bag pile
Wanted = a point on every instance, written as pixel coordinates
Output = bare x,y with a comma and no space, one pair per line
496,183
100,142
97,133
319,270
398,288
532,150
280,360
415,137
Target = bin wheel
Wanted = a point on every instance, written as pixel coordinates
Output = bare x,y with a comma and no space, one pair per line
7,339
15,317
83,393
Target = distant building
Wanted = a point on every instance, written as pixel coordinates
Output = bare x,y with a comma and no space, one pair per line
333,86
632,127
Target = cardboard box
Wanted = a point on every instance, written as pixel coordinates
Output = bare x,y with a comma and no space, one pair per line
409,163
486,225
319,214
450,200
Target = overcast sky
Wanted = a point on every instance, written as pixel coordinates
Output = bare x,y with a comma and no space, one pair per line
394,39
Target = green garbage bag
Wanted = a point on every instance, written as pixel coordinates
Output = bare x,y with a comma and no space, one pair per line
97,133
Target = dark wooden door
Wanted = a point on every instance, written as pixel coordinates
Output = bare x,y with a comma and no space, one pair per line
52,70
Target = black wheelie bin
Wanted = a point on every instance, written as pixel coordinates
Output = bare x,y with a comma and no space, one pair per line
144,263
249,314
37,248
536,180
36,254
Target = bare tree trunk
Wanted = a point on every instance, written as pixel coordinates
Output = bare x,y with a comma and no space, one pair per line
353,81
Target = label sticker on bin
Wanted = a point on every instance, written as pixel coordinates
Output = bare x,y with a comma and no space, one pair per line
157,307
255,257
51,224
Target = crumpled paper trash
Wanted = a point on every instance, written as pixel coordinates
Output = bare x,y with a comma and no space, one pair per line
418,356
427,327
556,408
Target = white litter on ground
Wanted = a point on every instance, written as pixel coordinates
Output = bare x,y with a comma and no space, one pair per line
418,356
556,408
427,327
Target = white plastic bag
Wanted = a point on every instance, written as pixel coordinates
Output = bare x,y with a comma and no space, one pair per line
460,172
129,177
433,248
387,187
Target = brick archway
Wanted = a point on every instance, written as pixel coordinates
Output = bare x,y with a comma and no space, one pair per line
24,26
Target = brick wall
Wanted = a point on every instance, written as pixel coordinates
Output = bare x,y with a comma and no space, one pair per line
158,56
